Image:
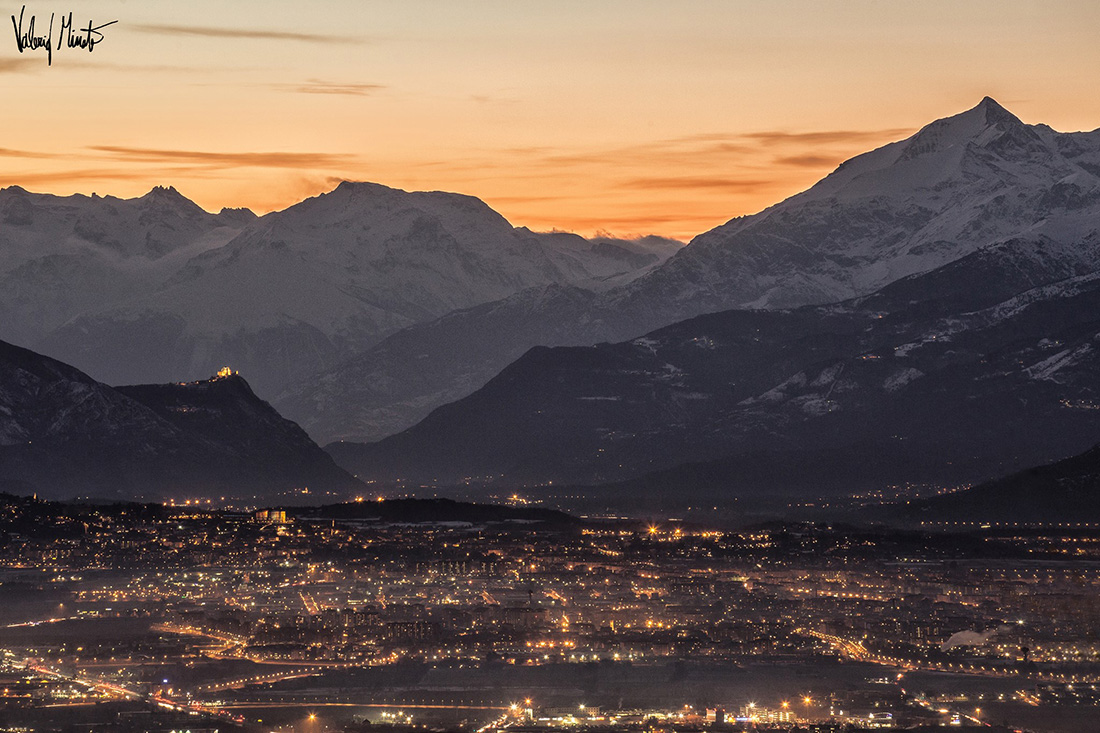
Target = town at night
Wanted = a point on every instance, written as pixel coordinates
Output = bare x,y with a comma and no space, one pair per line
384,613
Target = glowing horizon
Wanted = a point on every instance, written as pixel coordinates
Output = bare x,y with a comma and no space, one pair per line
628,117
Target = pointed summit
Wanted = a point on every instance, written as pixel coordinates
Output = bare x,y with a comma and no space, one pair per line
987,125
167,198
163,192
166,195
994,113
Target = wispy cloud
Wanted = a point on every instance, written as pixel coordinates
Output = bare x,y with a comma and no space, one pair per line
10,153
533,199
810,160
244,34
100,66
493,99
686,152
826,137
623,223
699,182
86,174
253,160
317,86
753,166
14,66
708,148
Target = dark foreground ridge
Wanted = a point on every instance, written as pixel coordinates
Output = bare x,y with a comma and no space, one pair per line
1065,492
423,511
64,434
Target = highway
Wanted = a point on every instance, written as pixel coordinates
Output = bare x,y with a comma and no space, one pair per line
855,650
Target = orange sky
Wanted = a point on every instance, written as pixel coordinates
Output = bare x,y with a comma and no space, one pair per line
626,116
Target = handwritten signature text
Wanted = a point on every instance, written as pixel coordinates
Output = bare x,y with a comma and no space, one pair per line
69,36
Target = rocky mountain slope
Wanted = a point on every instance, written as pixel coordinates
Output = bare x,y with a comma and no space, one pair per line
930,380
64,434
977,182
397,382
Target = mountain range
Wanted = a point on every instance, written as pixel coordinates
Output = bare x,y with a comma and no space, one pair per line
155,289
926,314
63,257
960,186
959,344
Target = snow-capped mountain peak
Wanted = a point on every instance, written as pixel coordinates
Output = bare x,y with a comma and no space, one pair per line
981,125
959,184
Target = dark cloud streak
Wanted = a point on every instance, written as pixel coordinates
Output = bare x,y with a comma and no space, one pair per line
824,137
698,182
242,160
809,161
84,174
14,66
243,34
10,153
316,86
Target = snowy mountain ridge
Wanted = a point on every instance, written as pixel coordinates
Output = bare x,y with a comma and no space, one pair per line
61,256
957,185
155,289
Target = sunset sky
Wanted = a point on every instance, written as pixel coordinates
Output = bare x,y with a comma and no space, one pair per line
625,116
